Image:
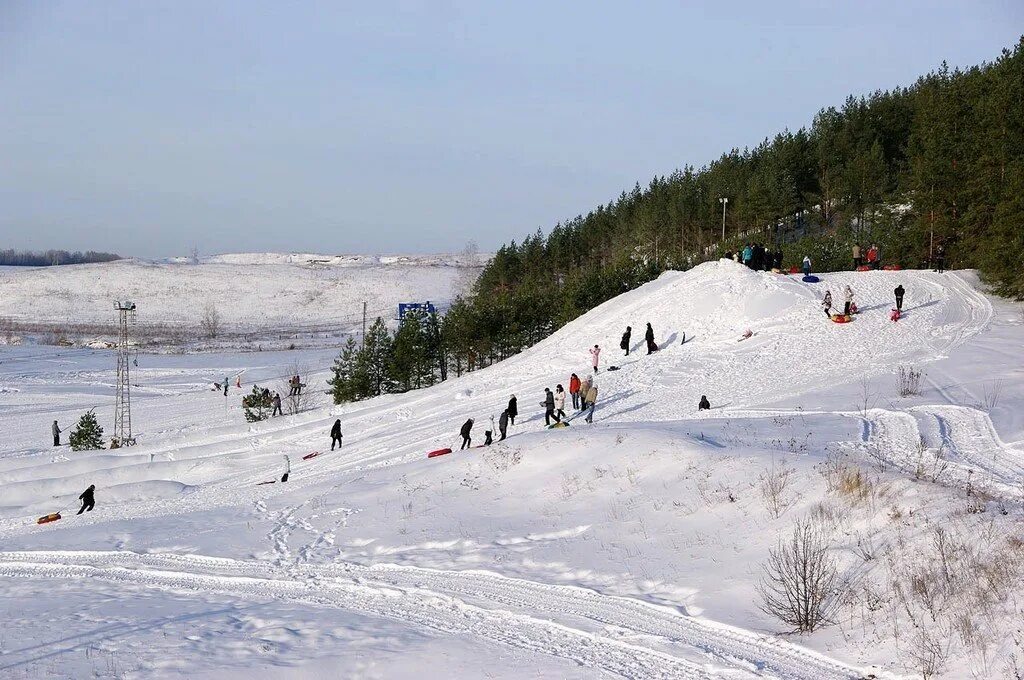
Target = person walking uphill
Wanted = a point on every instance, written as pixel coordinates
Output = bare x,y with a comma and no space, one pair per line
898,292
503,424
559,402
574,390
649,337
467,429
595,357
549,407
336,433
513,410
592,401
56,433
88,501
624,343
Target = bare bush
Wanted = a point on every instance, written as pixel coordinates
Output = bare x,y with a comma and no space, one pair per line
210,323
301,399
928,650
908,381
801,585
774,484
866,398
992,392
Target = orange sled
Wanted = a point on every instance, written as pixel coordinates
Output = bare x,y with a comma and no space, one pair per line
45,519
842,318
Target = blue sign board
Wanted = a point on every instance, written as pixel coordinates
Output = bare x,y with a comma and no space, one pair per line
406,307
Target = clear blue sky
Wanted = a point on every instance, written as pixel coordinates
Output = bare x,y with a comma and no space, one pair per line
149,127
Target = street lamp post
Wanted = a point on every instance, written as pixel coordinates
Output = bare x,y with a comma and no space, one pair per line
724,202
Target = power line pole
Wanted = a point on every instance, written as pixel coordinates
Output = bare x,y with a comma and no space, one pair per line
724,202
362,343
122,393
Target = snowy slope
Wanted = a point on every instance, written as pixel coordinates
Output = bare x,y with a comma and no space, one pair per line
248,290
629,548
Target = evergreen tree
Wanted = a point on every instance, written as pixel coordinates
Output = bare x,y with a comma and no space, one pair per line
256,405
375,358
88,434
349,382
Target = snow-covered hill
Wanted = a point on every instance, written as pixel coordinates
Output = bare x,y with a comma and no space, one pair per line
628,548
251,292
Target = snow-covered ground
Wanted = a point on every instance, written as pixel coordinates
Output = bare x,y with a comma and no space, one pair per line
627,548
258,298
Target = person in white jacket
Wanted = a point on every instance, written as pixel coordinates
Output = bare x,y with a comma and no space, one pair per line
595,355
559,402
848,300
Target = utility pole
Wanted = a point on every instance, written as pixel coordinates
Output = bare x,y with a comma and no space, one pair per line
724,202
122,392
362,343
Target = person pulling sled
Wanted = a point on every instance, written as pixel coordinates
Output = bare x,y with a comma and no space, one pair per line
466,431
88,499
826,302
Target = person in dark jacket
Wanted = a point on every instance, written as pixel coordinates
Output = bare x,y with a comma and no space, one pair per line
276,401
899,297
467,429
336,433
826,303
549,407
56,433
649,337
502,425
88,501
704,404
513,410
624,343
940,259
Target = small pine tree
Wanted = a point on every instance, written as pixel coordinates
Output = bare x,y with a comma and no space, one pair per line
87,435
257,405
350,381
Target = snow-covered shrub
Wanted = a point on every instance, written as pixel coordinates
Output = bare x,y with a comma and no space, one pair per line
908,381
774,485
801,585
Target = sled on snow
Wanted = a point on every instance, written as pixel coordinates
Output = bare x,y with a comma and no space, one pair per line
560,424
746,335
810,278
438,452
863,268
892,267
46,519
895,315
841,318
794,270
311,455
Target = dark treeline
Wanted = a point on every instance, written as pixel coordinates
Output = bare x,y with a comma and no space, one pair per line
940,163
26,258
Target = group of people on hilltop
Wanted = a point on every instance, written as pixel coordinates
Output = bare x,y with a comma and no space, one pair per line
757,257
871,258
624,344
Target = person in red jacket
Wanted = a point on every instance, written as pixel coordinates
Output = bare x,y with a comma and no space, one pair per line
574,390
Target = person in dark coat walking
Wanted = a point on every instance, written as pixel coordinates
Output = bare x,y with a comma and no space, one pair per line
467,429
624,343
88,501
513,409
276,401
899,297
649,337
336,433
549,407
704,404
502,424
56,433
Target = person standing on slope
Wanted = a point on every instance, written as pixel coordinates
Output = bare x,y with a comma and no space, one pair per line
549,407
847,301
940,259
704,404
748,253
466,431
574,390
898,292
88,501
592,401
276,401
649,337
226,386
584,388
336,433
857,259
595,357
503,424
624,343
873,258
56,433
513,409
827,303
807,265
559,402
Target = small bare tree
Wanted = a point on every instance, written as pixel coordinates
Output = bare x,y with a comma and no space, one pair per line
908,381
774,485
303,398
210,323
992,392
866,398
801,585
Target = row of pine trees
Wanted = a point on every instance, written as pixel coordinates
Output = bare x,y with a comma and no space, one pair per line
940,163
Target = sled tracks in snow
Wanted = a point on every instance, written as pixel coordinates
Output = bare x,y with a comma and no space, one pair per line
622,636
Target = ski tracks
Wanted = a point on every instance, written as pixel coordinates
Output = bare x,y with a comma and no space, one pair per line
622,636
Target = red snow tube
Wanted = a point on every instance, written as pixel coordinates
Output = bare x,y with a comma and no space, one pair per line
311,455
892,267
842,318
53,517
794,270
863,268
439,452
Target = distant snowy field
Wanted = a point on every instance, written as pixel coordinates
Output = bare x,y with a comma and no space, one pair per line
631,548
255,293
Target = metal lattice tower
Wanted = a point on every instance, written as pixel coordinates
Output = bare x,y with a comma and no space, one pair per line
123,391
